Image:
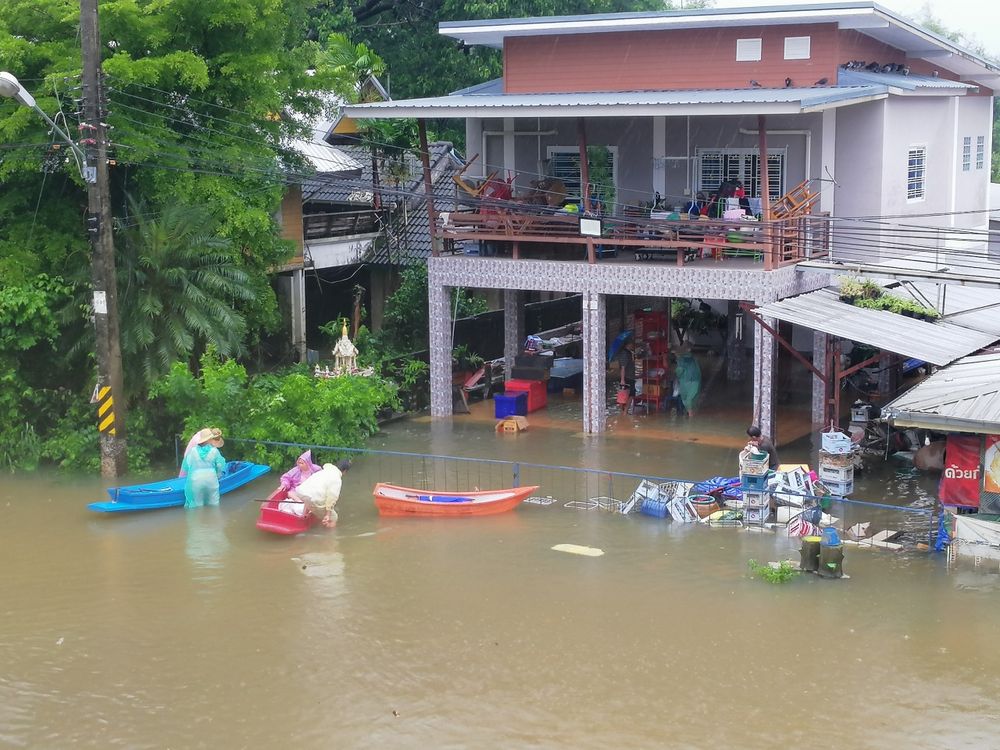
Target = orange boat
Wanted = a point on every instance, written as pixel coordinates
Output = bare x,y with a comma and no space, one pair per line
405,501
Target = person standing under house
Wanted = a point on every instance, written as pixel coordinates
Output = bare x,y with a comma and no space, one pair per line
688,379
320,492
626,363
202,467
761,443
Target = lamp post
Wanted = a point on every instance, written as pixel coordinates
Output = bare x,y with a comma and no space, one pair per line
94,170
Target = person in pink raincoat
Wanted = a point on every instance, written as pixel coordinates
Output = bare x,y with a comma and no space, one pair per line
303,469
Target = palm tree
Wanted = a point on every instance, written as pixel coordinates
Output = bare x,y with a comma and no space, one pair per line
178,280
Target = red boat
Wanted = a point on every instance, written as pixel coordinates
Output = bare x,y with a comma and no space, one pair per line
278,515
392,500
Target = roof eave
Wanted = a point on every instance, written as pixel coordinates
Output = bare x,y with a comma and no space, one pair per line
941,422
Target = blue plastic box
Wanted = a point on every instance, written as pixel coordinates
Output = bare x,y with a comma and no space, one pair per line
753,482
510,404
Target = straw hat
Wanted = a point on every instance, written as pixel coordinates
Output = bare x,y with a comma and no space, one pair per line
210,435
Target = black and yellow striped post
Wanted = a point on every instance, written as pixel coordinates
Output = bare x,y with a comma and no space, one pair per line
105,411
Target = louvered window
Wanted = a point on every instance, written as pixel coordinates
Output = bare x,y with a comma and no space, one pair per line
564,164
916,173
717,165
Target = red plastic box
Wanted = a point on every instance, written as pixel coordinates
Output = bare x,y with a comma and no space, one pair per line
537,397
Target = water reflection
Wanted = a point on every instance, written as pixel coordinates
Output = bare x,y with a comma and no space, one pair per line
206,543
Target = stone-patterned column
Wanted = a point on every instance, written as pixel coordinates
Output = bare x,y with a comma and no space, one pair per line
297,299
764,362
736,353
594,362
513,326
439,322
821,343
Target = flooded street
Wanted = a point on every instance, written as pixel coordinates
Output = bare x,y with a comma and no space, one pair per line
195,630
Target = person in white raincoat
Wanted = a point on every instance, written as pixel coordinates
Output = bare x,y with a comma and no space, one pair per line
321,490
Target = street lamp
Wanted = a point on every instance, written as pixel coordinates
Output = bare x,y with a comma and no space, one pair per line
111,416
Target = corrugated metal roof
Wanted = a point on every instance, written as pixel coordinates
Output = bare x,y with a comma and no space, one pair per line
618,103
898,80
967,306
325,158
938,343
962,397
494,86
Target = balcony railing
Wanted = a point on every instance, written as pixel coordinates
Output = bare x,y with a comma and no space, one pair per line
773,243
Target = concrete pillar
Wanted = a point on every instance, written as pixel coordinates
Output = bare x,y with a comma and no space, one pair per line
594,362
821,344
659,157
513,326
297,300
764,361
439,323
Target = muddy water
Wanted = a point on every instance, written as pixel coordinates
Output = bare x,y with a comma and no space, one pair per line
191,629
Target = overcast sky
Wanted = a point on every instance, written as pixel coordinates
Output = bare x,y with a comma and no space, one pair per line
979,20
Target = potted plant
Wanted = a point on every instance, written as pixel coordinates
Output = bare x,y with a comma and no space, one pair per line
871,290
850,289
464,363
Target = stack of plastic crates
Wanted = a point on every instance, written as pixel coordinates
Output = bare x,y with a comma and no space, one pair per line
753,483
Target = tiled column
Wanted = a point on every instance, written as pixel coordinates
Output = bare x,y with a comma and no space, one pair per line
513,326
764,362
297,299
439,322
821,342
594,365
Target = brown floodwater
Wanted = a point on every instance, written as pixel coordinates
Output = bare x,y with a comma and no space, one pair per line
191,629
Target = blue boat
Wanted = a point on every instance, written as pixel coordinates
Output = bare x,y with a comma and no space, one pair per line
170,492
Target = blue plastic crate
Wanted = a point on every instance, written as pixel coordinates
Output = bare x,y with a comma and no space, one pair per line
510,404
753,482
655,506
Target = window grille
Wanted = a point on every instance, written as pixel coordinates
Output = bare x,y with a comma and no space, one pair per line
916,173
716,165
980,151
966,154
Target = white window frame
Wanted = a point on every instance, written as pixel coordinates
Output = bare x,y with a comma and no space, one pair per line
798,47
739,161
916,173
550,151
967,153
980,151
749,50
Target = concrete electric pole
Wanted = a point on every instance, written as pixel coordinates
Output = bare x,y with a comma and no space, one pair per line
109,392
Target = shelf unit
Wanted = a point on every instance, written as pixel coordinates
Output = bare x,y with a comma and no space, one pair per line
652,338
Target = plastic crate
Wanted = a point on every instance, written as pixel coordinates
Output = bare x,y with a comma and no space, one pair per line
752,462
756,499
753,482
537,396
841,489
837,474
510,404
756,515
836,442
655,506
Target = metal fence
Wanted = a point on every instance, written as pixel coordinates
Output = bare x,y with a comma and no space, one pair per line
599,489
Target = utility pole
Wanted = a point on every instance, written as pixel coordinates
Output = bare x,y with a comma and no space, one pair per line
109,394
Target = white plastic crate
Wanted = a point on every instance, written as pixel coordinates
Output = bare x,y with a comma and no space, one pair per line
756,499
838,474
836,442
756,515
839,488
753,463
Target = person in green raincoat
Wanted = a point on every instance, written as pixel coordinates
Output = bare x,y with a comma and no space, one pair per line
202,467
688,376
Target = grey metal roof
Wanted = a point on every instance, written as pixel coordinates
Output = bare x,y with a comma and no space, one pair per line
325,158
909,82
493,86
622,103
356,191
967,306
939,343
962,397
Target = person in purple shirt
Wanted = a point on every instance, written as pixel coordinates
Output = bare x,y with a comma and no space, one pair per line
303,469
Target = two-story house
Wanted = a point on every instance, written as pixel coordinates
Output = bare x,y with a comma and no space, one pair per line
861,114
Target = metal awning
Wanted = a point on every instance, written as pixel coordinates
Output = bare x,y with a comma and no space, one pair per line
624,103
939,343
962,397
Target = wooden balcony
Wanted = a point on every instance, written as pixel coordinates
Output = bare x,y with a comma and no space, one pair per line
525,231
338,224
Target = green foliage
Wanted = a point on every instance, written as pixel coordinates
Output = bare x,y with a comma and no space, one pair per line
687,317
179,283
850,287
870,296
463,360
289,407
782,574
20,447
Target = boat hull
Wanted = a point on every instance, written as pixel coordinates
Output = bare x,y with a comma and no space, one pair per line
392,500
170,492
277,521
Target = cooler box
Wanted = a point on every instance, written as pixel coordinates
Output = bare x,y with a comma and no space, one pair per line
537,398
510,404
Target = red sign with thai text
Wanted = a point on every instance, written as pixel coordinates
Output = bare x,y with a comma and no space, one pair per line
960,480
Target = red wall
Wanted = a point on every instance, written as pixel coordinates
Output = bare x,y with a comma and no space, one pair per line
685,59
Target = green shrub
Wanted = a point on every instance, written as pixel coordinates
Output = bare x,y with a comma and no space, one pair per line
782,574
